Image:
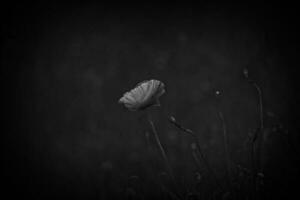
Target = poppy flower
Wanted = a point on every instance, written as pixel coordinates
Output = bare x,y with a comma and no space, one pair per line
144,95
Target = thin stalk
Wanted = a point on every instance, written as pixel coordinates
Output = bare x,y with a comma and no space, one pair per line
260,104
253,178
260,139
200,152
225,136
197,161
163,153
252,160
257,166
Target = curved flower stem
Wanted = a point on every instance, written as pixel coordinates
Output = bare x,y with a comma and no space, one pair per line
252,140
254,172
228,162
261,135
164,155
260,104
201,155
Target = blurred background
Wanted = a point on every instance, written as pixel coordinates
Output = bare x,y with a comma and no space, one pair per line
65,67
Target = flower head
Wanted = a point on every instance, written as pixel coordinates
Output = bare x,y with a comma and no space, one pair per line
144,95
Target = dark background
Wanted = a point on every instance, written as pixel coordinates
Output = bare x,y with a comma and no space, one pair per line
64,67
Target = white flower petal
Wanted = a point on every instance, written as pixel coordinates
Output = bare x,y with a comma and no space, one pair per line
144,95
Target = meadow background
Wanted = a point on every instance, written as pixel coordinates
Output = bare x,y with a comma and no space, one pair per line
66,66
